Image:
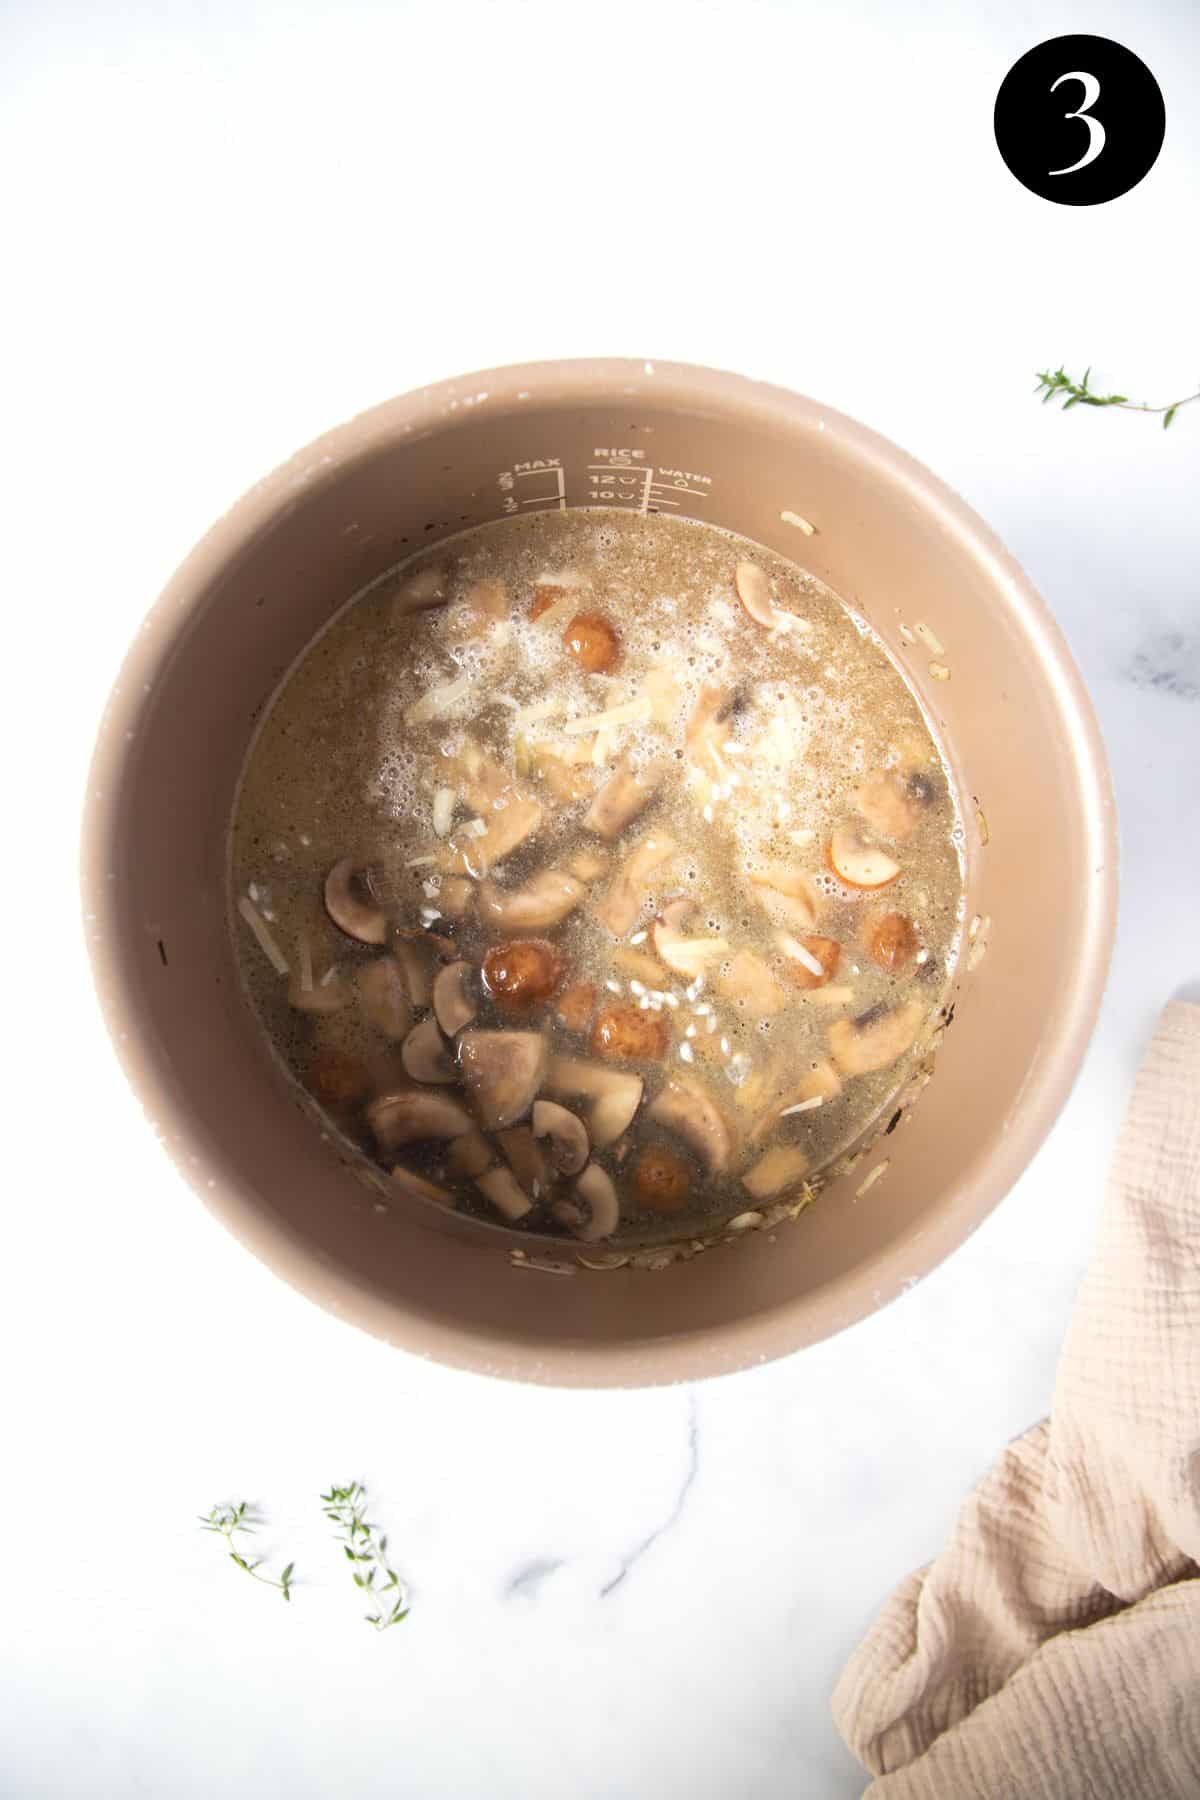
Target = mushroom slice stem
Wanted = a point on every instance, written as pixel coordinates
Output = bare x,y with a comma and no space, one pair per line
505,1192
601,1211
425,1055
775,1170
613,1095
567,1134
684,1107
503,1072
453,1003
414,1115
787,894
876,1039
754,592
625,794
545,899
525,1158
350,907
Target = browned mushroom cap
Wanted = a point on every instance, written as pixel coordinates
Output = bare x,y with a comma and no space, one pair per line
567,1135
614,1095
350,905
623,796
600,1212
383,997
685,1108
505,1192
525,1158
544,900
418,1188
775,1170
413,1115
425,1055
503,1072
875,1039
453,997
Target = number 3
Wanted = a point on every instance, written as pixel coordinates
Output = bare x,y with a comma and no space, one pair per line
1091,93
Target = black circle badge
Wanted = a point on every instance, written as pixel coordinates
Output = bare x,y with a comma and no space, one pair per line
1079,120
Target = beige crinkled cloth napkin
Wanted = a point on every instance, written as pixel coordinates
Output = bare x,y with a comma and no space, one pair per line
1053,1649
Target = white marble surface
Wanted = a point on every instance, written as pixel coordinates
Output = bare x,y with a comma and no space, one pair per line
227,227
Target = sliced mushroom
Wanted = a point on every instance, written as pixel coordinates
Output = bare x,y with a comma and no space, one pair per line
788,894
887,804
525,1158
350,906
683,1107
643,967
749,983
456,896
625,794
412,1115
567,782
418,1188
426,588
617,911
544,900
484,606
587,864
814,1089
504,1072
600,1212
425,1055
858,863
705,733
688,956
508,825
876,1039
776,1169
383,997
454,1002
754,592
470,1154
613,1095
568,1138
505,1192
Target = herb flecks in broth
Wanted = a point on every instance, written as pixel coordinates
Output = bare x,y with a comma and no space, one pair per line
597,874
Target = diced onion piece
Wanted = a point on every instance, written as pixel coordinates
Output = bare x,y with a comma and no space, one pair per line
631,712
437,700
443,810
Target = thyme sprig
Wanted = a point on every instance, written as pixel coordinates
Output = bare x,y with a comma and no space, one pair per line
365,1546
241,1519
1056,384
